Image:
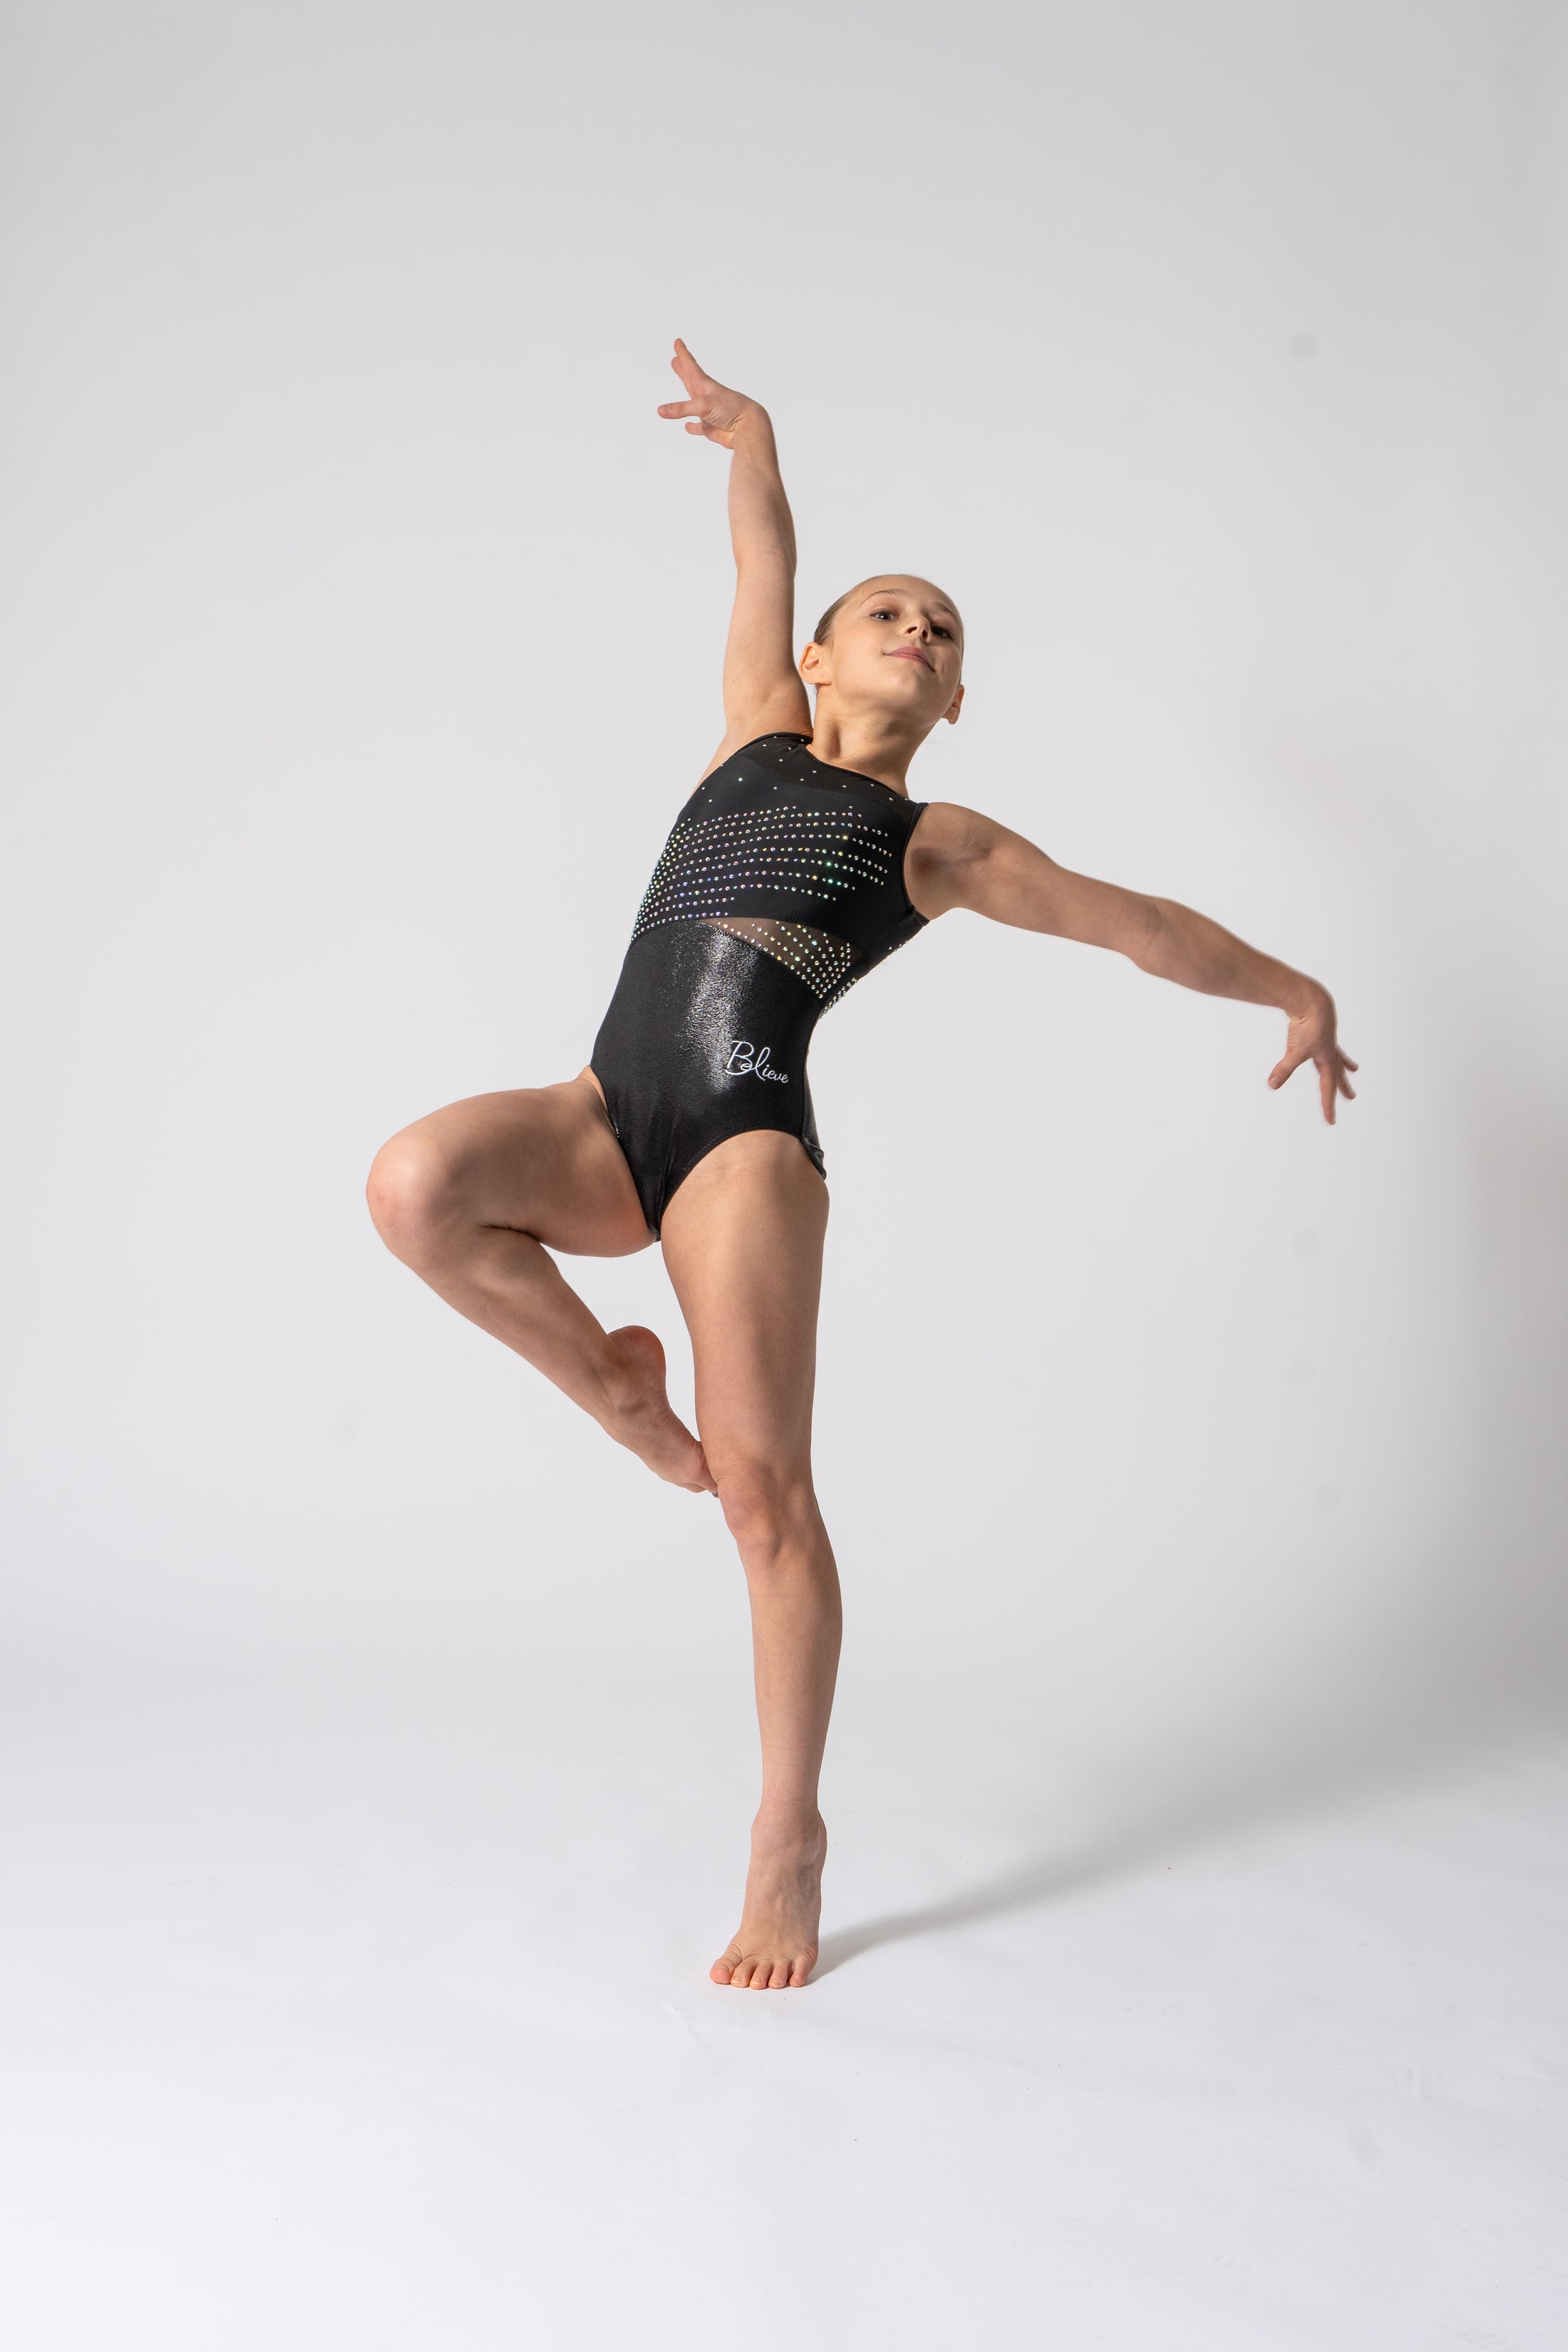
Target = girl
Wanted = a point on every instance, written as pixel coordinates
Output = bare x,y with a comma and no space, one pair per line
799,862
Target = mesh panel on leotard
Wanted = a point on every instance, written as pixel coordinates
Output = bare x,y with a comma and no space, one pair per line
813,956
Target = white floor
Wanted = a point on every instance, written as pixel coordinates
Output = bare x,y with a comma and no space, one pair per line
348,2015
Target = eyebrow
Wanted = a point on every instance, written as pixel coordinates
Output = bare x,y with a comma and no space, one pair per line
939,604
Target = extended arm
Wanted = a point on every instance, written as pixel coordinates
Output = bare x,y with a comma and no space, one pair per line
959,859
763,691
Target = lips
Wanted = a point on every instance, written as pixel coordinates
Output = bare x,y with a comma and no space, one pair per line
907,653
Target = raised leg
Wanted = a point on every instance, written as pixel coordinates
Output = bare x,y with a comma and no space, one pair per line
742,1239
476,1196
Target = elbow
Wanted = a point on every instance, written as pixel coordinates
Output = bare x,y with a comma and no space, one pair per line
1147,947
765,558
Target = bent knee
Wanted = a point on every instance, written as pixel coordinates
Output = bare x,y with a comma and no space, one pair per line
765,1508
412,1193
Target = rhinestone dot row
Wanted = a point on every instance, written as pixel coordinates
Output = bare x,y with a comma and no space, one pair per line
809,854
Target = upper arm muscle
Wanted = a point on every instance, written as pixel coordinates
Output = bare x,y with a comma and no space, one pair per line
763,694
959,858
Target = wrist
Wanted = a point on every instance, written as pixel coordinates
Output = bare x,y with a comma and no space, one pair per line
1302,999
753,425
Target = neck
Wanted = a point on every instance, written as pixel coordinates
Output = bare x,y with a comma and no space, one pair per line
871,743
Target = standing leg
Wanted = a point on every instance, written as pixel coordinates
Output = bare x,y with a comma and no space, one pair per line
476,1196
742,1239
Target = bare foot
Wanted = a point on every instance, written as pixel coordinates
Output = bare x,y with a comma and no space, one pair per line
640,1417
776,1945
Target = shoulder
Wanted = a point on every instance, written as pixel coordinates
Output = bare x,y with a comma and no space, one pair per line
781,716
946,830
946,842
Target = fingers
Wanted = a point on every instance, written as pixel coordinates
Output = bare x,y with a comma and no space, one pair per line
1332,1083
692,377
695,412
1332,1079
686,367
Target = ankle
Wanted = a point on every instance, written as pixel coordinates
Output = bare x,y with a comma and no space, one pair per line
787,1824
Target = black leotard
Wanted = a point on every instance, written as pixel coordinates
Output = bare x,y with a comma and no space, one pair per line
780,884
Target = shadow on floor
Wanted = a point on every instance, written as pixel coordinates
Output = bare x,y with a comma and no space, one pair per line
1277,1775
1475,1655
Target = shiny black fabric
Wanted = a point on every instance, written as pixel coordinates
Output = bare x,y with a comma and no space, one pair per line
780,884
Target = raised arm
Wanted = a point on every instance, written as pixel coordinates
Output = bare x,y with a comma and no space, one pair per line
763,691
958,858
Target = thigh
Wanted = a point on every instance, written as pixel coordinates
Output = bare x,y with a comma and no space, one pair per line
541,1159
742,1239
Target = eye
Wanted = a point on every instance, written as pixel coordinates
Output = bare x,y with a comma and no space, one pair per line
882,613
936,630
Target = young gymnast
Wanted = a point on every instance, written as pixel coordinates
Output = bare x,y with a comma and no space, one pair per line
799,862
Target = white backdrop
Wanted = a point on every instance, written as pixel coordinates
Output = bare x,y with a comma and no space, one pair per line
1190,1466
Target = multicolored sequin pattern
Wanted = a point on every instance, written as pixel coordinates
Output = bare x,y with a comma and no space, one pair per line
807,853
785,836
710,865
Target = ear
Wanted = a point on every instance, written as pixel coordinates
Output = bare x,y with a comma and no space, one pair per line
954,707
814,666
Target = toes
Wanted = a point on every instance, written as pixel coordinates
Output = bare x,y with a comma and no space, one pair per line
704,1483
747,1973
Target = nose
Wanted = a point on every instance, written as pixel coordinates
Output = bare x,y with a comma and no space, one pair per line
917,627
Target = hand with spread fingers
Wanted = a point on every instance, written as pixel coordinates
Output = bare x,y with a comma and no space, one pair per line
1311,1038
710,408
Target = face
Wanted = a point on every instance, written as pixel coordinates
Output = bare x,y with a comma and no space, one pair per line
896,645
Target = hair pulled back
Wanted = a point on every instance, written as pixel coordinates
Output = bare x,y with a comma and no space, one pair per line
824,628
